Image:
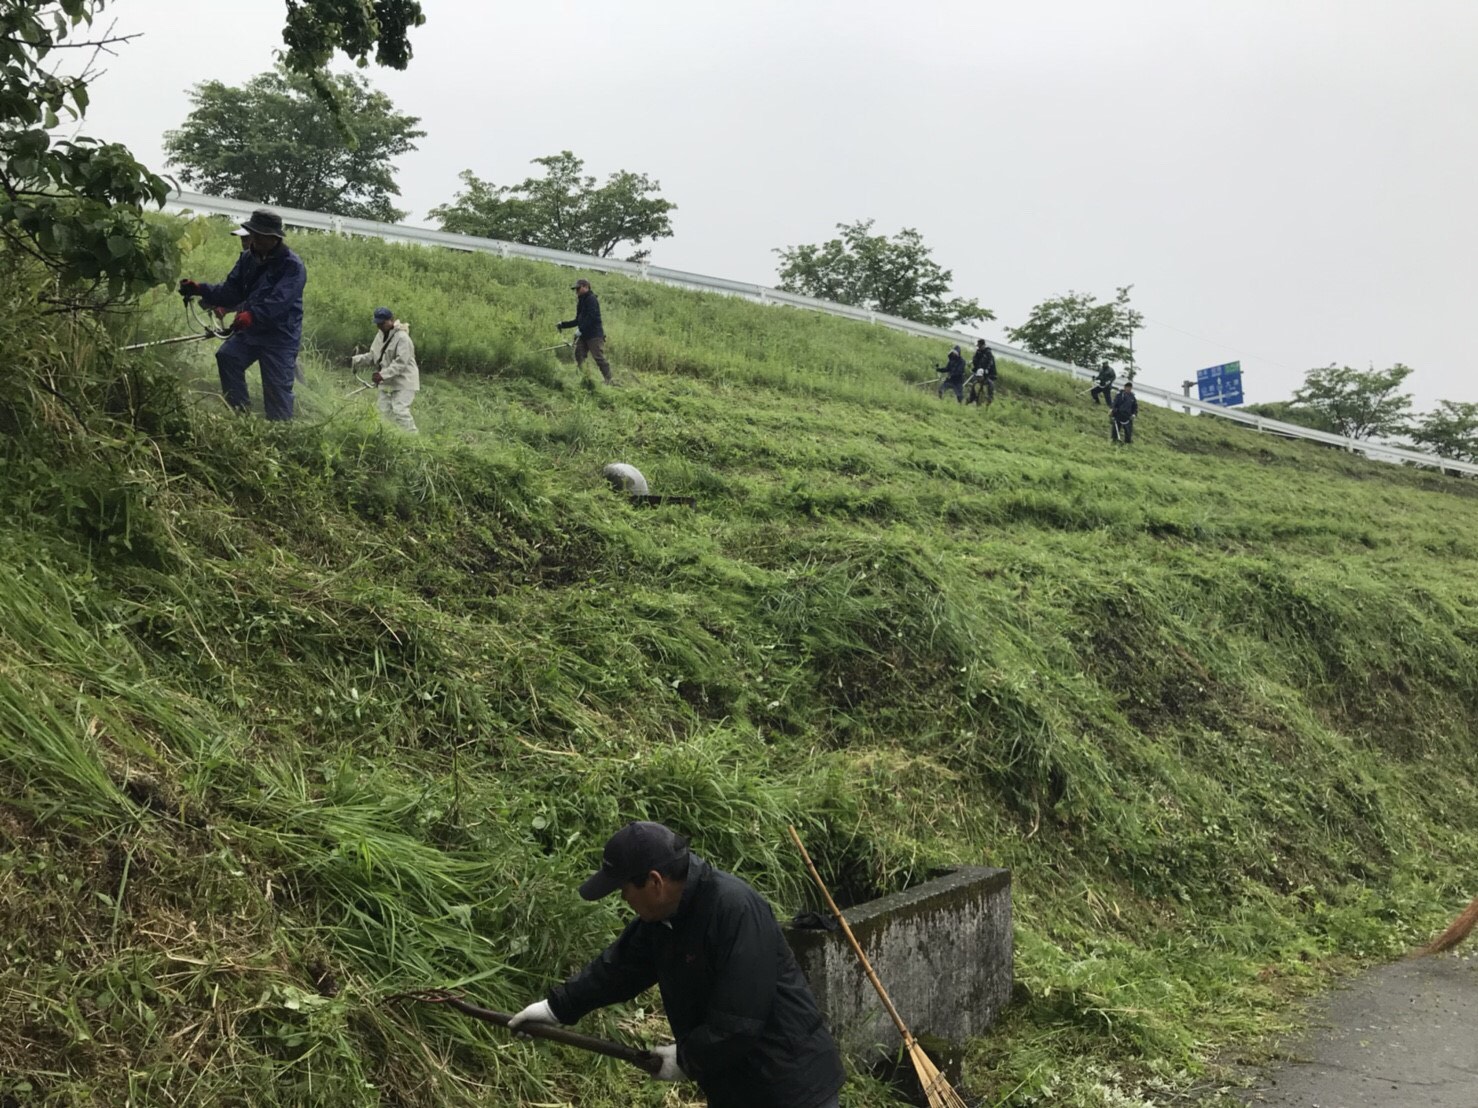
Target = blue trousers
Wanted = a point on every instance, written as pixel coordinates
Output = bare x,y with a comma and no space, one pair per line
278,366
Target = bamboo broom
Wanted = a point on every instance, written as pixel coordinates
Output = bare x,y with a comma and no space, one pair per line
937,1090
1461,928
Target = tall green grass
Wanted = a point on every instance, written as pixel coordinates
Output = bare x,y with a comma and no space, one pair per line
296,717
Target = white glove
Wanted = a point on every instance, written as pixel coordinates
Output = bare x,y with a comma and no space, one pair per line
537,1012
670,1070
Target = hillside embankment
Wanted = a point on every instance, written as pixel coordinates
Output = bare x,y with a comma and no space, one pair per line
296,717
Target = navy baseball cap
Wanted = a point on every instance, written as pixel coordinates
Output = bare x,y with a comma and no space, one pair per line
632,852
382,314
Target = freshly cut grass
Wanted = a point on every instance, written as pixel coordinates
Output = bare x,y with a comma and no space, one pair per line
293,718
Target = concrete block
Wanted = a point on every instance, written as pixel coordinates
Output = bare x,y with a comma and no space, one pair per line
942,950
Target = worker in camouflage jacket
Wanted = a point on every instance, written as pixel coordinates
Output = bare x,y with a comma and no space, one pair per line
393,357
983,380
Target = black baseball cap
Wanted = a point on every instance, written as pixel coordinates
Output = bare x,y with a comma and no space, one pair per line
632,852
581,284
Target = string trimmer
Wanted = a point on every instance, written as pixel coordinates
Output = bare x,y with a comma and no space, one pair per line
642,1059
204,329
363,387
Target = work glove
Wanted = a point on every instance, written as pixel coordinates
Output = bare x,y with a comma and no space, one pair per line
242,321
670,1070
189,288
537,1012
377,378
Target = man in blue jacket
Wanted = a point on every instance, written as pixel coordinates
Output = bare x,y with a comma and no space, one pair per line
1105,386
954,375
265,290
590,334
748,1029
1121,415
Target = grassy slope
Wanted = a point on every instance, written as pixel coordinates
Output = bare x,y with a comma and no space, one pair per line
307,710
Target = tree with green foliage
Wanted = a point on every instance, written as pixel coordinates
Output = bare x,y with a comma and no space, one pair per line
316,29
562,210
1358,403
1077,329
894,276
1449,432
275,141
70,206
1287,411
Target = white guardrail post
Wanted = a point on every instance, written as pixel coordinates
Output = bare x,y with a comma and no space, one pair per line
425,236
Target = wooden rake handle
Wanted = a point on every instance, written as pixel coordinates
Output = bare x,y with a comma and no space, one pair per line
872,976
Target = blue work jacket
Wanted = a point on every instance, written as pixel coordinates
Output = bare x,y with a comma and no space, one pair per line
271,288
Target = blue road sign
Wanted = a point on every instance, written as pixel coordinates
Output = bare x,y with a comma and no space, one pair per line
1221,384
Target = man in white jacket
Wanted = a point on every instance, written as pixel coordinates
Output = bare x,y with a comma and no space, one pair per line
393,357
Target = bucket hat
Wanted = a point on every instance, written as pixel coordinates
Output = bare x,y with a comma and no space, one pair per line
264,221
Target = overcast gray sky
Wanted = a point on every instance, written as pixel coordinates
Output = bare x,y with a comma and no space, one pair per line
1284,182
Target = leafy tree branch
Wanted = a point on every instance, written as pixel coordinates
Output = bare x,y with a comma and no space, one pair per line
896,276
563,210
274,141
1359,404
1079,330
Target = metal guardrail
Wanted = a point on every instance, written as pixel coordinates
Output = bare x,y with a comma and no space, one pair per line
425,236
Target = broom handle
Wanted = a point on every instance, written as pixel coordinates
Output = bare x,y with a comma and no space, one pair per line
851,938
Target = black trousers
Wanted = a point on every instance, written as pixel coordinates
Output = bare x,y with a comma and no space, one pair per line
1106,391
1124,427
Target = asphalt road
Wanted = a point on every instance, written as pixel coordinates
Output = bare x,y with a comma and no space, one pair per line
1400,1036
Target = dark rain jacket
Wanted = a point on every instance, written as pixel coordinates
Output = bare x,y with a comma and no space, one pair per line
272,290
1126,407
1106,376
587,318
954,369
985,360
747,1027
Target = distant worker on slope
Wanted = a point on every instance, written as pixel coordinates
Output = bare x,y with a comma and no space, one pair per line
984,377
1105,386
1122,413
394,357
265,290
954,375
747,1027
590,335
